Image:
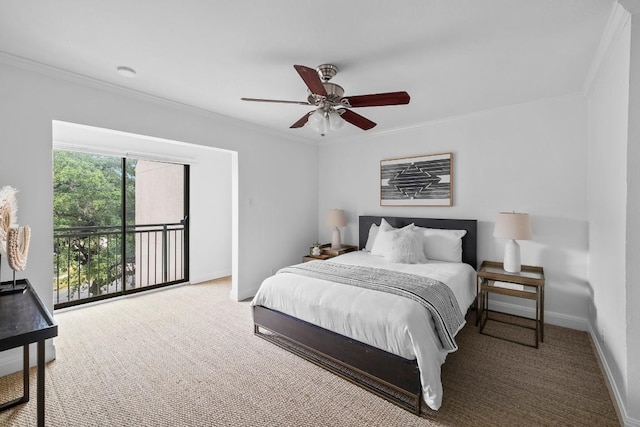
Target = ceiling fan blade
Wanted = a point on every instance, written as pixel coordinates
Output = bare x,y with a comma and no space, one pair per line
303,121
275,101
311,79
357,120
377,100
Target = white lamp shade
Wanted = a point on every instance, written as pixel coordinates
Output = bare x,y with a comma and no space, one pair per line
513,225
336,218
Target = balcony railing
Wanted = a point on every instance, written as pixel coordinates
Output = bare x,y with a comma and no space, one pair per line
92,263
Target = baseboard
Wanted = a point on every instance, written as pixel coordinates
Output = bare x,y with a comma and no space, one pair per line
550,317
11,360
211,275
614,390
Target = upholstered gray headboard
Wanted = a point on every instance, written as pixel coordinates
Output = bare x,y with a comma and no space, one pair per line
469,241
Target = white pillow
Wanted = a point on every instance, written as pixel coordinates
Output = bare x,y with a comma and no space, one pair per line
399,245
441,245
373,232
380,248
404,246
385,226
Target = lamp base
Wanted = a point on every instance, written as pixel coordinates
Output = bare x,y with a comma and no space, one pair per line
512,257
335,239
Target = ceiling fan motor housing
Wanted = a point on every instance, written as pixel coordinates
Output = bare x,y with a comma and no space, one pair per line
334,94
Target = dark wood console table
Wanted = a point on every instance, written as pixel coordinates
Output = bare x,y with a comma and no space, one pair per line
25,320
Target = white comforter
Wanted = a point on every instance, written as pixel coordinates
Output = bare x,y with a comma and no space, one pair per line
389,322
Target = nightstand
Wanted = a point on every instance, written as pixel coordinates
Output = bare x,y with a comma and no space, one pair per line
326,252
528,284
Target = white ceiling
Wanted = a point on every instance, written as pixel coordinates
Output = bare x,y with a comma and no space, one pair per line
452,56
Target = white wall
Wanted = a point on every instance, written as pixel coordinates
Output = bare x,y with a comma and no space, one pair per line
529,158
607,186
633,226
277,175
210,216
614,154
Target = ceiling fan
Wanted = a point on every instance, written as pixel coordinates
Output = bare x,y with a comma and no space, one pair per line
333,109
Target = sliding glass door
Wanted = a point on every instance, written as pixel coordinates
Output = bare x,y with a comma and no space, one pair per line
159,223
120,226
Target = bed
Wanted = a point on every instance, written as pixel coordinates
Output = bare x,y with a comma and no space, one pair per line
319,320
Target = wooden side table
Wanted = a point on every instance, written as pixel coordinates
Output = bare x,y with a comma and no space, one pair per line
326,252
528,284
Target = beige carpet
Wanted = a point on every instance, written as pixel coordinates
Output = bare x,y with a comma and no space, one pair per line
187,356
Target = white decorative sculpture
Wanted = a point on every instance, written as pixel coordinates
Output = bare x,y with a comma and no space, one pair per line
18,247
8,214
14,240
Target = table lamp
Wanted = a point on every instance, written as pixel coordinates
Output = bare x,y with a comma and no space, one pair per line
336,218
513,226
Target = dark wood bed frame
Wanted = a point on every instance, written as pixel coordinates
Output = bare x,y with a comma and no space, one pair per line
390,376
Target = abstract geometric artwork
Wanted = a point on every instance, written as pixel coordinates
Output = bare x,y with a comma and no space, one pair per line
417,181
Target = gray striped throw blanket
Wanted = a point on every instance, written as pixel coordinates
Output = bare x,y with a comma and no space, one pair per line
434,295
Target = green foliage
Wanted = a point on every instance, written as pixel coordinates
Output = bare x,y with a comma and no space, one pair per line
87,189
87,192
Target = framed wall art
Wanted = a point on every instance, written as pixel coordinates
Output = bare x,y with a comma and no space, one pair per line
417,181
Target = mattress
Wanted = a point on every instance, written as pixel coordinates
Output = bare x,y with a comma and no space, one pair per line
389,322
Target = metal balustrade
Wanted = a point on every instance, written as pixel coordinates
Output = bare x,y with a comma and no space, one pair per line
91,263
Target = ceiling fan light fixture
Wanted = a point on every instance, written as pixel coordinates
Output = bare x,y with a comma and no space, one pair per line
335,120
323,120
318,121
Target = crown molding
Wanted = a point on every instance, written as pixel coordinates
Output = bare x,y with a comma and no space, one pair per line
618,19
456,117
80,79
633,6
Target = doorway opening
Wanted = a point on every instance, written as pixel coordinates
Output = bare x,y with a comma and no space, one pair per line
211,200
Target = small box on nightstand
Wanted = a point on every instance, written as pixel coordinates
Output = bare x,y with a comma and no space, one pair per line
326,252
